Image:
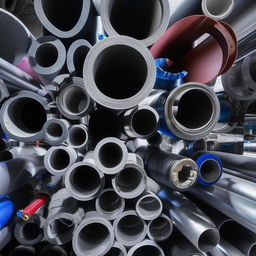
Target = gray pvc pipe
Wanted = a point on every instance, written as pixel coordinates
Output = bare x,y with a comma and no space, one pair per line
129,228
144,20
93,237
117,250
132,70
23,116
47,57
64,216
78,136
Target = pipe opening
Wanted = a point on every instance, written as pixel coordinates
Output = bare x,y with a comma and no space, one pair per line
252,251
79,57
120,71
194,109
94,238
110,155
46,55
185,173
114,251
137,19
109,201
128,179
130,228
63,14
22,251
27,114
160,228
149,206
29,231
75,99
144,122
54,130
208,240
62,229
54,251
85,179
218,7
5,155
77,136
147,250
210,170
59,159
251,110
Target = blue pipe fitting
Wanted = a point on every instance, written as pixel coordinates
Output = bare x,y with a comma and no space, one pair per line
7,210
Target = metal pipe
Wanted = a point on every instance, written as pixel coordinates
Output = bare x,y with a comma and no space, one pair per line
29,232
23,250
47,57
110,155
140,122
59,159
145,248
84,181
160,229
149,206
117,250
132,70
78,136
56,131
191,221
11,50
72,99
109,205
145,21
129,228
53,250
68,21
23,116
131,180
64,216
172,170
93,237
76,55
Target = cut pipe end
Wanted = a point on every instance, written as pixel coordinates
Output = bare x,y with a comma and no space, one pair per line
208,240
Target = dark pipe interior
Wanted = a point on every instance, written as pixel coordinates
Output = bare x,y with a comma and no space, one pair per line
109,201
252,71
55,130
120,72
62,228
77,136
79,57
184,174
210,170
147,250
30,231
46,55
114,251
208,240
5,155
251,110
194,109
148,204
160,227
63,14
59,159
138,19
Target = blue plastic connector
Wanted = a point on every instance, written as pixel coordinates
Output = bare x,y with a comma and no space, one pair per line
6,211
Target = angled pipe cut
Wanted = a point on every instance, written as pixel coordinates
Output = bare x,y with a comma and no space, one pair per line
177,45
119,72
144,20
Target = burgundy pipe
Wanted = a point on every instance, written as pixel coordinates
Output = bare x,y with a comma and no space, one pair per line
205,61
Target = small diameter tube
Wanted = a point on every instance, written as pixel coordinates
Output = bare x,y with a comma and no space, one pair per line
110,155
109,205
129,228
93,237
147,247
58,159
78,136
84,181
149,206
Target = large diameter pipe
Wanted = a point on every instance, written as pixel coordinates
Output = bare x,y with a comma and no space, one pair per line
47,57
160,229
93,237
191,221
110,155
11,50
23,116
130,182
132,70
147,247
109,205
76,55
58,159
140,122
144,20
68,21
64,216
219,49
84,181
72,99
129,228
171,170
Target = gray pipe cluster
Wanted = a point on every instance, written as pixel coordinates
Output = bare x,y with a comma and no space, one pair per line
127,128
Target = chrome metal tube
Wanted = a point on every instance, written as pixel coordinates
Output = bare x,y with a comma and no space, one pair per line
191,221
132,70
129,228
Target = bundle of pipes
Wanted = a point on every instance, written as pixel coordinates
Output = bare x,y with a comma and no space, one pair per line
114,139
